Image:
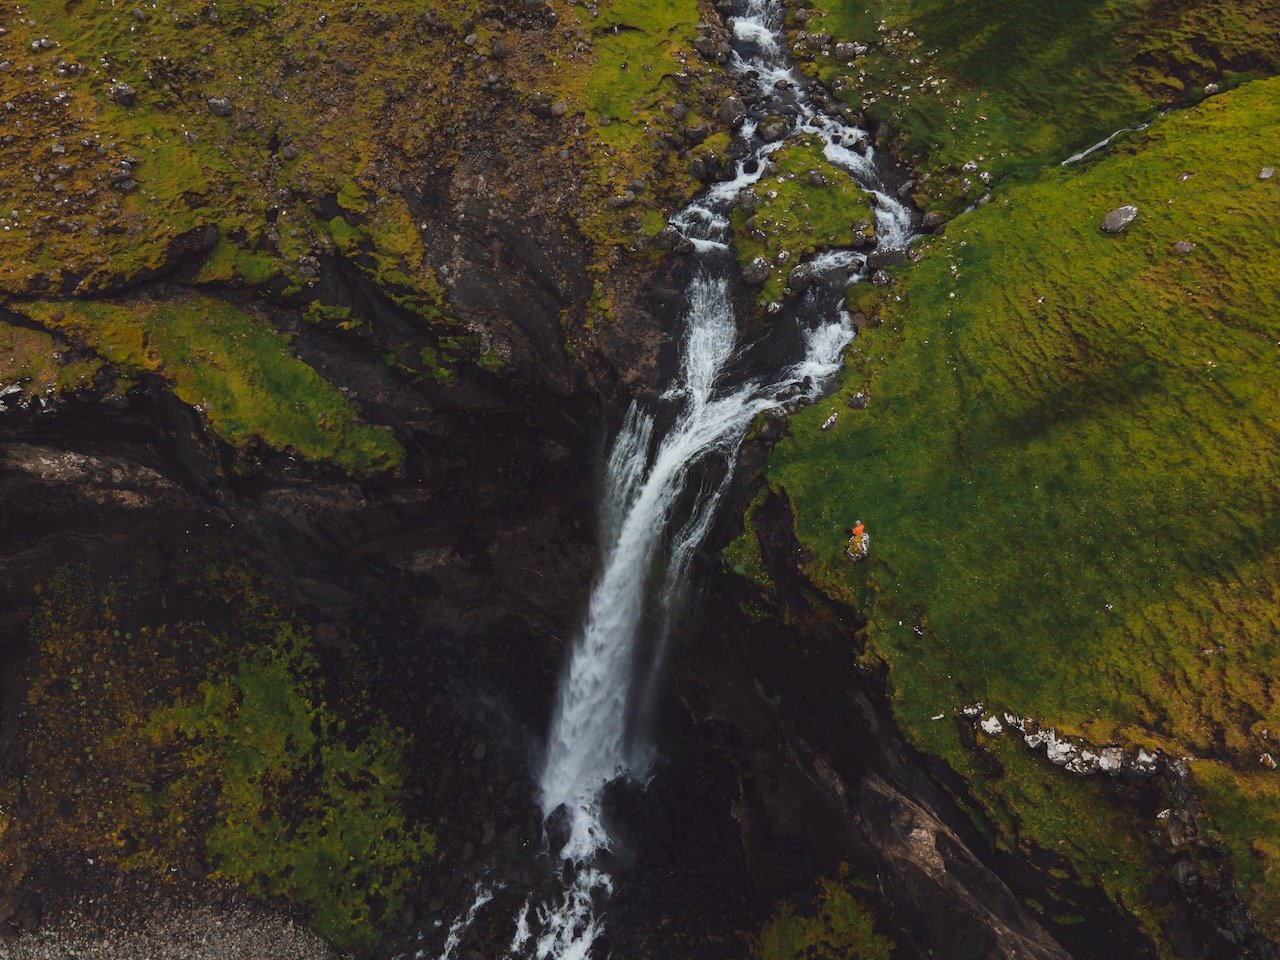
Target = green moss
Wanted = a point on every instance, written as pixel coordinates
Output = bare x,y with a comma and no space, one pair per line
807,206
842,928
256,738
228,262
1068,467
1244,808
1012,86
742,554
235,368
186,720
33,360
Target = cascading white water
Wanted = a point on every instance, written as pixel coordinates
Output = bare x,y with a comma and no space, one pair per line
646,549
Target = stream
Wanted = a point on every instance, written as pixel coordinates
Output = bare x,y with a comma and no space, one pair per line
659,500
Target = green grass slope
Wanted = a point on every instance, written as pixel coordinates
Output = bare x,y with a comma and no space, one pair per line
1070,470
1011,85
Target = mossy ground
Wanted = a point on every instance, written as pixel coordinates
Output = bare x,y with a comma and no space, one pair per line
836,927
1013,85
234,367
193,724
328,124
1069,472
807,206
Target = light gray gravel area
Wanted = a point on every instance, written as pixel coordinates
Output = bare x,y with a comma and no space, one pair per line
172,932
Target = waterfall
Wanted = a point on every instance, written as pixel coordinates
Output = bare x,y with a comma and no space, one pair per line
597,733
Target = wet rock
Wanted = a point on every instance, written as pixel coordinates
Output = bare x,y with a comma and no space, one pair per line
774,129
1118,220
886,257
863,235
732,111
800,278
124,94
757,271
1183,247
220,106
667,238
748,202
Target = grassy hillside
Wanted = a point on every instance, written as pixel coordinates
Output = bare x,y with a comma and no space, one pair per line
245,147
1070,472
1009,86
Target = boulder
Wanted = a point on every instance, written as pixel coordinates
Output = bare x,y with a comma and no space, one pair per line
1183,247
1118,220
774,129
932,221
757,271
221,106
800,278
881,278
124,94
886,257
732,111
667,238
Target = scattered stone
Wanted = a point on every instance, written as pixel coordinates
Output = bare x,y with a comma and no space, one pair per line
679,111
625,199
221,106
1210,89
1183,247
1118,220
757,271
732,111
559,108
290,152
1266,173
124,94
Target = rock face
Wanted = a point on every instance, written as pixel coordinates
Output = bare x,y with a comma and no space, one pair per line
823,777
1118,220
